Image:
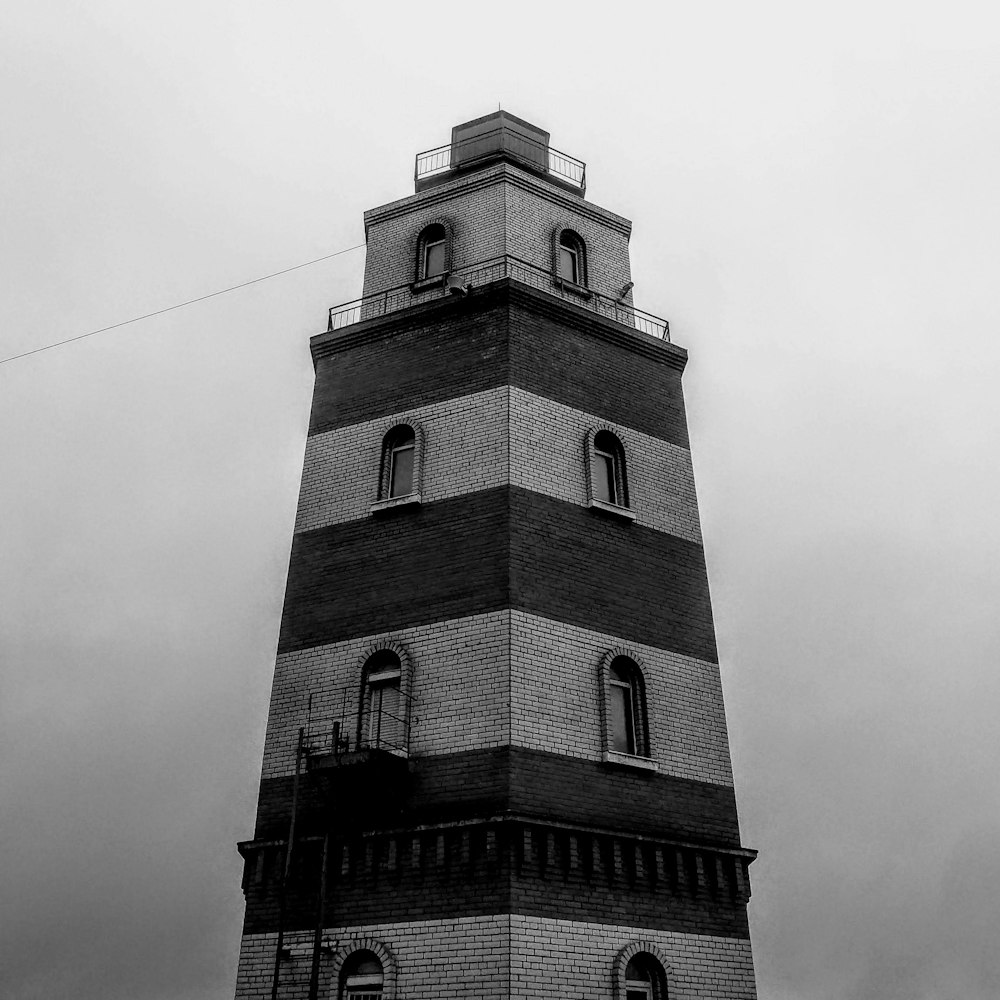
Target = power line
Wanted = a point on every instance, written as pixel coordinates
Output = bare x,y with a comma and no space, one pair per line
178,305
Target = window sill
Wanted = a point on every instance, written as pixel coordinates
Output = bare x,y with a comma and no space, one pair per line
572,287
630,760
393,502
426,283
613,509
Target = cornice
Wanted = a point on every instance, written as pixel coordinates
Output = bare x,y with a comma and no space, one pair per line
500,173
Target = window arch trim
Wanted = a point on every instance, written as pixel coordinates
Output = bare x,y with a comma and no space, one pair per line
595,467
384,498
642,758
348,950
653,959
364,670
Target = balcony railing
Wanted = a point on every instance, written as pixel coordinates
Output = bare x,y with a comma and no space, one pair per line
465,279
503,142
379,729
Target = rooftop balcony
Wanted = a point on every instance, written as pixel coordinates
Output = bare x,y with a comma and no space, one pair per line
465,280
500,136
435,165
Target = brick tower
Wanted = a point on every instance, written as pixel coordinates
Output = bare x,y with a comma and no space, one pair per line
496,762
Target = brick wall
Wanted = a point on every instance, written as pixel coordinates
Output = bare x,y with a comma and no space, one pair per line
547,457
476,784
498,548
412,566
465,450
627,380
507,677
467,958
574,960
498,210
585,568
460,687
503,435
448,348
555,699
533,216
505,334
506,956
473,212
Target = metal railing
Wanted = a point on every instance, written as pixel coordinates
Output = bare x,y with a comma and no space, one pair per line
379,728
495,269
536,155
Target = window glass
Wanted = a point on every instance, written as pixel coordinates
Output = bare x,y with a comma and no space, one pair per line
634,970
638,982
434,259
401,472
621,712
384,717
568,269
623,740
364,982
604,477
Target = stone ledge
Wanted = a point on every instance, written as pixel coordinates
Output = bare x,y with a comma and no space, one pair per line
630,760
379,506
612,509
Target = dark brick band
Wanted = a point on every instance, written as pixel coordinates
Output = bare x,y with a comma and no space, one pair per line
486,551
446,788
503,335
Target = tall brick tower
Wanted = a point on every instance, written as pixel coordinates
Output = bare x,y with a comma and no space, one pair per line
496,762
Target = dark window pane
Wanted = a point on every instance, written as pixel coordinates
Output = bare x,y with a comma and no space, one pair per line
385,727
433,259
401,476
635,972
620,673
604,478
567,264
622,731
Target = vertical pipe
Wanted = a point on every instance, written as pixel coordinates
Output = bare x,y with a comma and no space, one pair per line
288,867
320,919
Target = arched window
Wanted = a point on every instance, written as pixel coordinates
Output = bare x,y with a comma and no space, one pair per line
622,704
432,252
361,977
626,729
382,721
571,258
399,449
640,973
609,470
607,473
638,981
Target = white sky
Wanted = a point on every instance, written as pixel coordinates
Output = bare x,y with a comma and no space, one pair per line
816,209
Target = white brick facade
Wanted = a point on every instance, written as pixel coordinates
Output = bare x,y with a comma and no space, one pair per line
460,688
555,699
509,678
503,956
495,438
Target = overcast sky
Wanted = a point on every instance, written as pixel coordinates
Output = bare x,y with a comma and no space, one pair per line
816,211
